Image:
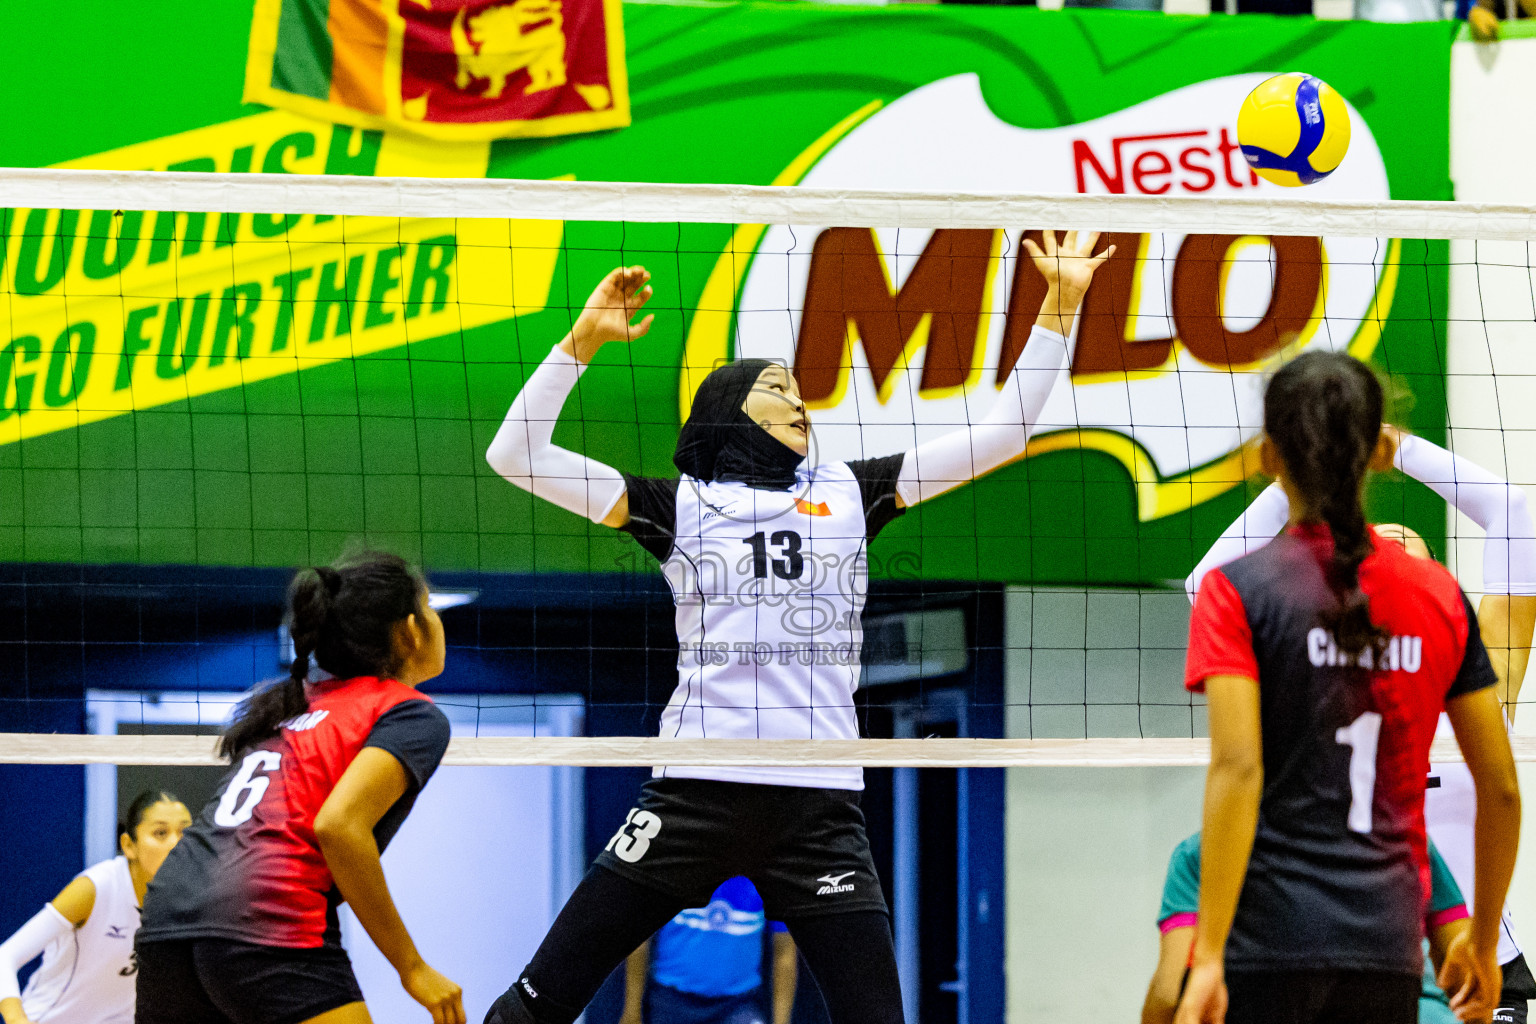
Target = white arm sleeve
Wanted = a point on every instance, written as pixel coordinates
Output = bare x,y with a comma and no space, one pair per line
26,944
1257,526
1496,505
522,453
941,465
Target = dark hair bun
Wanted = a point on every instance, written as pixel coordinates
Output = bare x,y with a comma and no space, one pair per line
342,617
1322,411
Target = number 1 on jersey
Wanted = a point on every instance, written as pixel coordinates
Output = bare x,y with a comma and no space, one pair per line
1361,737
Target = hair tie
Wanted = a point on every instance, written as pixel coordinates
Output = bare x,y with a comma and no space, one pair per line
330,577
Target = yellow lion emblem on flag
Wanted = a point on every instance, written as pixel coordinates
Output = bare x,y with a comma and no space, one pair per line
503,40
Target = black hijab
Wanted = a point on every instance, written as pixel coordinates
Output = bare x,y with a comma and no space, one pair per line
720,442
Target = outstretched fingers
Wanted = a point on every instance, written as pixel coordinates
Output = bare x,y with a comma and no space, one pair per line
629,279
642,328
1079,243
1102,258
632,279
1075,244
637,293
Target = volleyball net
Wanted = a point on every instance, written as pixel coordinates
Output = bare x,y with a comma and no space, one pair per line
209,380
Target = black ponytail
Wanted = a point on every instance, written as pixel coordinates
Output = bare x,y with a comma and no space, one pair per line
134,816
1323,413
342,616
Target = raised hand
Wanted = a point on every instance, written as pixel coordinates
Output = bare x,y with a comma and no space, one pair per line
607,314
1070,265
1068,269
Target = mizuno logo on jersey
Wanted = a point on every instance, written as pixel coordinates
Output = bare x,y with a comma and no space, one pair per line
116,932
715,511
818,509
1402,653
834,884
308,720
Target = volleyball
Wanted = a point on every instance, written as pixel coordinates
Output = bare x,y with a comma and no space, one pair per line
1294,129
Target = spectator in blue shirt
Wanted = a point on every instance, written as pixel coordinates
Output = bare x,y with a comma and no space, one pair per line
705,966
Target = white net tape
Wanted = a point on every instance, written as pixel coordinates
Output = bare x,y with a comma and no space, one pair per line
749,204
621,751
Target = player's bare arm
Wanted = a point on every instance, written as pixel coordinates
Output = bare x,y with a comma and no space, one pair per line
344,829
1473,981
1234,783
1162,999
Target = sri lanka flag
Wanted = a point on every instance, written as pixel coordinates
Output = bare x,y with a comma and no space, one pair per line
445,69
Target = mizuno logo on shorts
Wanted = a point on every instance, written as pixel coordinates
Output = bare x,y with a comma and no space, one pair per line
834,884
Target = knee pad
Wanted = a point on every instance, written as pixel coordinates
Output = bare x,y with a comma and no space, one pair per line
509,1008
523,1004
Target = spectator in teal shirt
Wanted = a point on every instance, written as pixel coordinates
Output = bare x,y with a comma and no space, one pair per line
1445,920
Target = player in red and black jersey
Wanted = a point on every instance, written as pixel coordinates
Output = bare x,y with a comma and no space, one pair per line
1346,649
240,925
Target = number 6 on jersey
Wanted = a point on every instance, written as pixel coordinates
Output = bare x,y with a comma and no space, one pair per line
247,788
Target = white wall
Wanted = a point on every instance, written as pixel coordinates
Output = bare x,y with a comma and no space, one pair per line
1086,854
1087,850
1097,663
1087,847
1492,332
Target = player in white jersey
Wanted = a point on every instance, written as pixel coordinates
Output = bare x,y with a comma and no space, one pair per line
85,936
764,550
1506,616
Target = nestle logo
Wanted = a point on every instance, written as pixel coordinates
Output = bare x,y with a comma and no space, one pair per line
1154,165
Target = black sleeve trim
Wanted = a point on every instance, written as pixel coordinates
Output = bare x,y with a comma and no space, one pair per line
416,733
1476,671
652,513
877,487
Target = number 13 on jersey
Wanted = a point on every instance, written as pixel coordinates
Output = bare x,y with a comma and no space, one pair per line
634,837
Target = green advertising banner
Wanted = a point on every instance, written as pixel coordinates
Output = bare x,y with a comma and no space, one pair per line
256,389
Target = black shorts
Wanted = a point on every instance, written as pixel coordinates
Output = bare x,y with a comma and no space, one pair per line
1322,997
1519,990
218,981
804,849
